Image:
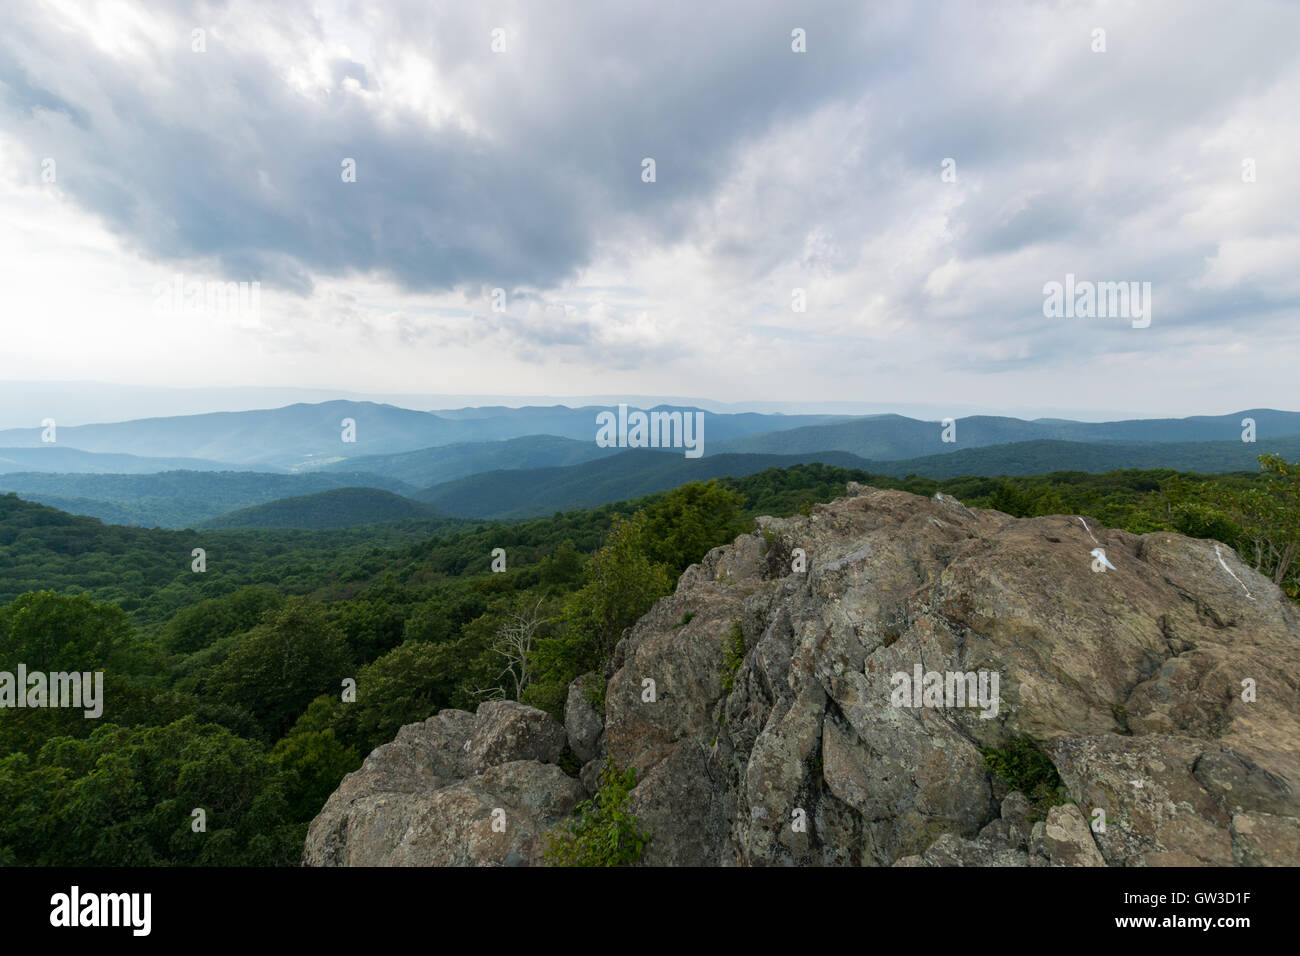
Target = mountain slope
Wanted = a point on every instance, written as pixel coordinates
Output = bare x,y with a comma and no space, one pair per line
887,437
337,508
630,474
177,499
431,466
54,458
1043,457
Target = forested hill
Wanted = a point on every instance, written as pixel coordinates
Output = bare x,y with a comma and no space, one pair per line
1045,456
630,474
432,466
516,493
182,498
337,508
149,571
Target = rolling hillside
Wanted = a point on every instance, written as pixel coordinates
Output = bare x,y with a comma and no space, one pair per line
58,459
542,491
1044,457
177,499
891,437
337,508
630,474
431,466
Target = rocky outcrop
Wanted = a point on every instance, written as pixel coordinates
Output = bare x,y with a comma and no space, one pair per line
1132,679
888,640
459,789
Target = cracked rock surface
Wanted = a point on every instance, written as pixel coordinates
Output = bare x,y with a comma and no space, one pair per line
431,796
1131,679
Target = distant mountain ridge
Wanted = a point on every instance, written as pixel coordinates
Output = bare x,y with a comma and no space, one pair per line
178,499
308,437
889,437
1045,456
128,475
57,459
430,466
631,474
302,435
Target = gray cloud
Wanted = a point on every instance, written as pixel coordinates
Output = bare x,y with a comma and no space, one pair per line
821,171
214,156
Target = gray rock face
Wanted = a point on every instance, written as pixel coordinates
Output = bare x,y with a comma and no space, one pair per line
1163,693
459,789
1067,841
505,730
1131,678
582,722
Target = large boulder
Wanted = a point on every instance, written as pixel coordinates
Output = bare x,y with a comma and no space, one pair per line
459,789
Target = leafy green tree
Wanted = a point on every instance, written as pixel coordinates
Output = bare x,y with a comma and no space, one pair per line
281,665
621,583
603,831
682,526
126,796
198,626
562,569
371,627
316,761
57,632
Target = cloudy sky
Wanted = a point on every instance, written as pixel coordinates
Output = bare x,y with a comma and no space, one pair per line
501,146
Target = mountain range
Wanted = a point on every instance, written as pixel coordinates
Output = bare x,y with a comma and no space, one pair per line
225,469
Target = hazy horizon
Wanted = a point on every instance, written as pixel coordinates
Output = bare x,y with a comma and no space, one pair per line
25,404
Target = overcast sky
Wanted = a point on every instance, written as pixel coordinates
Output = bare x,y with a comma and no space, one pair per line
521,169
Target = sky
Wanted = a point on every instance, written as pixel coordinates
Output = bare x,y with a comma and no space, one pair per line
453,198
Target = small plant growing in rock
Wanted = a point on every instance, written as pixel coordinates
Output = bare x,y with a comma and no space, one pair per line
569,762
777,553
595,693
1121,717
1025,767
603,831
733,655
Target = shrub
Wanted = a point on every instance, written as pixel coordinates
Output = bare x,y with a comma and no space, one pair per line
602,832
1025,767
